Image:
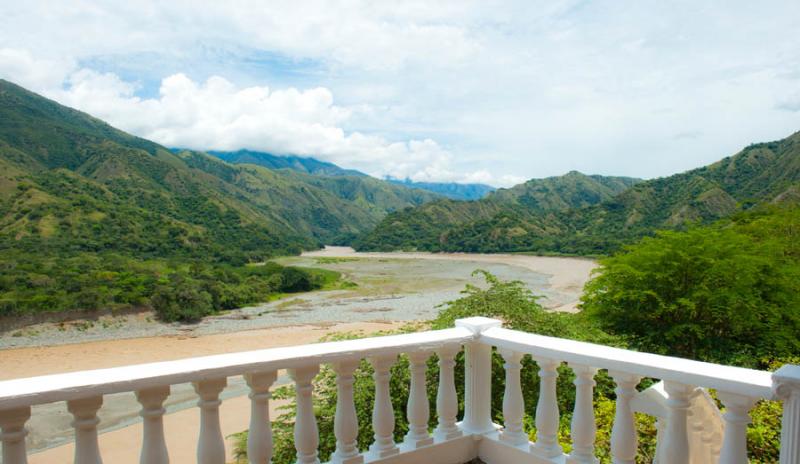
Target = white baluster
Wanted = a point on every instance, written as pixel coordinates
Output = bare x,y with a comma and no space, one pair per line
513,404
154,447
259,436
786,385
210,444
345,423
734,441
13,433
382,412
418,410
547,414
624,437
306,435
583,424
84,414
446,397
676,448
477,377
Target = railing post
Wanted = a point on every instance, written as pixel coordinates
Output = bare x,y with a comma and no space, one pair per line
306,434
624,437
259,437
210,444
418,410
478,377
446,398
84,413
154,446
383,411
734,441
786,385
583,423
676,448
547,415
513,403
13,433
345,422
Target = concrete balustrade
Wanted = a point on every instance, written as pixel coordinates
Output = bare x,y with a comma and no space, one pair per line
691,428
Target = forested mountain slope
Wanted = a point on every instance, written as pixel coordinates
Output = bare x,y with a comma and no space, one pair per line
428,226
532,221
71,183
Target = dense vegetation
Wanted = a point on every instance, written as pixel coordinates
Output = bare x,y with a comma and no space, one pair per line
569,217
728,293
177,289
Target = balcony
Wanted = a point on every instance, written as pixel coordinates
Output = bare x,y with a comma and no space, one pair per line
690,427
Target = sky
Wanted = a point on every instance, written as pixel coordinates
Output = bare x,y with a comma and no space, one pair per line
486,91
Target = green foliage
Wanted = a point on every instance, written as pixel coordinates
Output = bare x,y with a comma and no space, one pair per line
177,290
710,293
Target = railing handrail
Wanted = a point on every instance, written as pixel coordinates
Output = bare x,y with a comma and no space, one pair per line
74,385
747,382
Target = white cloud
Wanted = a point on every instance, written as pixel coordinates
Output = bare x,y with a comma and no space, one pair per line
36,74
544,87
218,115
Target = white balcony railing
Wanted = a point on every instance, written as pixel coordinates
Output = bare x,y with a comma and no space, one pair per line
690,427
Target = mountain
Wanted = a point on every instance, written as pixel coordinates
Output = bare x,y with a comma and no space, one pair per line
452,190
70,183
296,163
316,167
543,217
426,227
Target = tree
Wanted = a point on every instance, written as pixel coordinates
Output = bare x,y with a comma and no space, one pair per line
727,293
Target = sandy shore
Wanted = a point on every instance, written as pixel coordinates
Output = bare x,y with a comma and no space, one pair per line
121,446
567,275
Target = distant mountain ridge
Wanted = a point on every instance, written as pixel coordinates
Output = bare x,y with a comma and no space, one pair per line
452,190
294,162
427,226
559,215
316,167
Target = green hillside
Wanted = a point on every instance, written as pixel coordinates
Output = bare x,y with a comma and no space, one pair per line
78,197
555,217
431,226
70,181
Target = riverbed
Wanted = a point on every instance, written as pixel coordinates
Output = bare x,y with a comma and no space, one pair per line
385,287
383,290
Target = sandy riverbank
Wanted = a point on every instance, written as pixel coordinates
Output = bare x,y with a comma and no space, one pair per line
566,275
121,446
